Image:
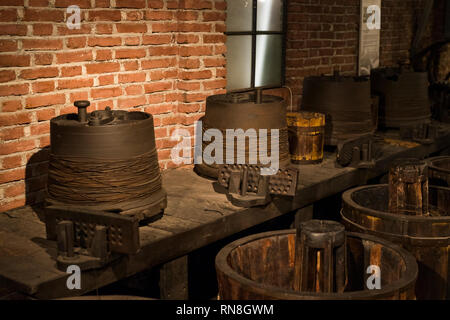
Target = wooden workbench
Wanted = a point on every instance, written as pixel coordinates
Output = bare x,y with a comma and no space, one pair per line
195,217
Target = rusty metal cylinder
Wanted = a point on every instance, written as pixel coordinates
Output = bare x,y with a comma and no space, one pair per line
306,136
252,113
403,96
346,102
261,267
105,160
427,237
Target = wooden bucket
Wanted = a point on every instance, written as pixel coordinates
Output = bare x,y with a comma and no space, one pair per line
261,267
427,237
306,136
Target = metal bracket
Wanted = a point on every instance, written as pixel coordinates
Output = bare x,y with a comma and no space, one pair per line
357,153
88,238
247,187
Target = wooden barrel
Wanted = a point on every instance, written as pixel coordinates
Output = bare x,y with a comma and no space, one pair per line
261,266
427,237
306,136
439,171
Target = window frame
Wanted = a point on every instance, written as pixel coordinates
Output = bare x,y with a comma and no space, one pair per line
253,33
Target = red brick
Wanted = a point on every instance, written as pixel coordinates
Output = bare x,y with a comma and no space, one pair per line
188,107
195,4
8,45
164,27
74,96
42,29
7,60
84,4
193,97
45,114
103,55
36,73
130,65
137,4
12,162
132,41
106,80
106,92
46,100
103,29
155,98
44,142
162,51
214,62
189,63
189,75
74,56
14,119
5,206
16,146
187,51
131,28
214,16
157,39
157,86
13,30
220,27
85,29
132,77
214,38
11,105
104,67
55,15
220,49
155,4
75,83
194,27
11,133
38,3
40,129
71,71
12,3
43,58
14,90
43,86
104,41
134,90
187,38
132,102
187,15
105,15
220,5
188,86
8,15
76,42
159,109
214,84
130,53
7,75
158,15
158,63
12,175
41,44
14,190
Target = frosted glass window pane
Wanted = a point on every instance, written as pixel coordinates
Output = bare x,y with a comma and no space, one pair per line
268,60
269,15
239,61
239,15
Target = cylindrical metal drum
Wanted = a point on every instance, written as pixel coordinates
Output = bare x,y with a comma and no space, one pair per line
105,160
427,237
346,102
253,115
306,136
261,267
403,95
439,171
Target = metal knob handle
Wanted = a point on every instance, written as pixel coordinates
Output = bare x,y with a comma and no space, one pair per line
82,112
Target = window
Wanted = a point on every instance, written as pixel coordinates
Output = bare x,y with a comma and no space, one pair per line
255,32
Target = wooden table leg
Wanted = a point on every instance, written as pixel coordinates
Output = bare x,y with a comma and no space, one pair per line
173,279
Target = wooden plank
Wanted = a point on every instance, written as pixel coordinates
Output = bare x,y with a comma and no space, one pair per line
173,279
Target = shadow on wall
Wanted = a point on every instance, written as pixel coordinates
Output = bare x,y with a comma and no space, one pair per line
36,179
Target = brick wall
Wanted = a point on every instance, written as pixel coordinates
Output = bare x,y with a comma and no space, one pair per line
159,56
323,36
